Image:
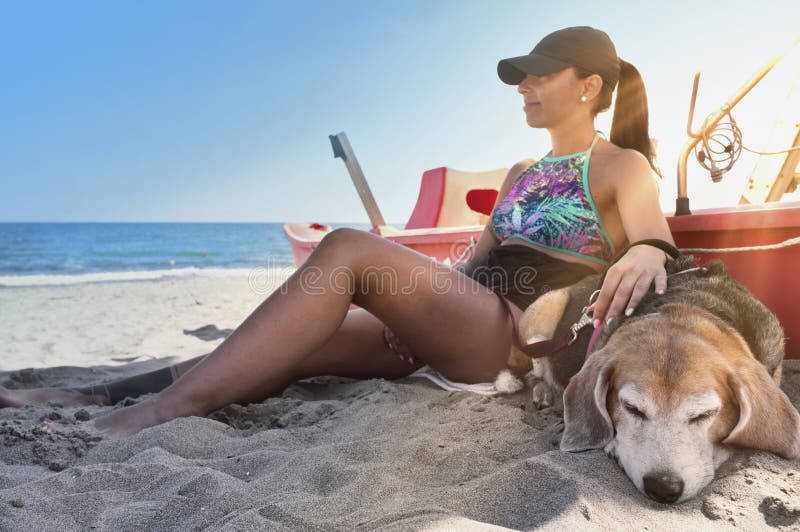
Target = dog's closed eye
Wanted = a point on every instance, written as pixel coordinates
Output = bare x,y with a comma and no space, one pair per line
708,414
634,411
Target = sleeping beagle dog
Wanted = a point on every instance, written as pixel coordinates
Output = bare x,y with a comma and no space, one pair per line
671,391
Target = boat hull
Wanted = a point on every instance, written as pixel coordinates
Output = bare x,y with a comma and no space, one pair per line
444,244
771,274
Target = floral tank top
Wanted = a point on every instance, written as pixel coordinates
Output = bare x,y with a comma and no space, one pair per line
550,206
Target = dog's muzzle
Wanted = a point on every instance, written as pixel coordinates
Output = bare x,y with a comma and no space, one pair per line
663,486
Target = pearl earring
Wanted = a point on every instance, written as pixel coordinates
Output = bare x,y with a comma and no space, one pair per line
583,98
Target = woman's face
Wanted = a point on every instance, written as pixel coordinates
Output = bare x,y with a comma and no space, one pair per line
552,99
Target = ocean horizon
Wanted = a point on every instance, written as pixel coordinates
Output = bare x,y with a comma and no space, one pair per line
61,253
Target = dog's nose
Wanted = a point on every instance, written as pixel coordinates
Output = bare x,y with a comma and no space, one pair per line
663,486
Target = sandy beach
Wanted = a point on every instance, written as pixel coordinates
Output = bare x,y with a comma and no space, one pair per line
328,454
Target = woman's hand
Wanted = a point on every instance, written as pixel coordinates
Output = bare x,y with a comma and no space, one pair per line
628,280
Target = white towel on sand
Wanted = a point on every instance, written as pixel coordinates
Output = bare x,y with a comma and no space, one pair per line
482,388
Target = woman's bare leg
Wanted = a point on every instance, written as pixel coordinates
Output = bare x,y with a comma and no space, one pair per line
451,322
182,367
355,350
358,351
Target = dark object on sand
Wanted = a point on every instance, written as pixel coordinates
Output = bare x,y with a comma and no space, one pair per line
209,333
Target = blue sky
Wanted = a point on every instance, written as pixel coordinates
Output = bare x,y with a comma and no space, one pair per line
221,111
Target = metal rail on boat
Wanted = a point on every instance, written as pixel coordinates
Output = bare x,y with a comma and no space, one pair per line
712,121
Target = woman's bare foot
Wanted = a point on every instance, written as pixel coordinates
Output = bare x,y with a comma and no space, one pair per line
19,398
131,419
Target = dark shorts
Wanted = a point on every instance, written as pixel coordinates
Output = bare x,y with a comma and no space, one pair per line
515,272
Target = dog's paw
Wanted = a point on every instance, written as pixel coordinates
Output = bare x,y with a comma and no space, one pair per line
507,383
544,394
611,450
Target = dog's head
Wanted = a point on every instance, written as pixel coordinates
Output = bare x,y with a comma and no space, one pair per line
670,396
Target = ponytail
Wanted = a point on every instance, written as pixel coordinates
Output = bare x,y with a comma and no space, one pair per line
629,127
630,124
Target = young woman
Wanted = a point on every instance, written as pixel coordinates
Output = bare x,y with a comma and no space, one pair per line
558,218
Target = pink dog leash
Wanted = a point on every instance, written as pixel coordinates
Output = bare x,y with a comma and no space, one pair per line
545,348
593,340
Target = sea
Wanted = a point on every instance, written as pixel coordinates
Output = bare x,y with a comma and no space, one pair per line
42,254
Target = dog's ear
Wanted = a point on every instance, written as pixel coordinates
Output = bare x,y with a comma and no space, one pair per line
587,424
767,420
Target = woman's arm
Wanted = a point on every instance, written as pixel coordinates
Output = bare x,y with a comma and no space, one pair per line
485,243
629,279
488,240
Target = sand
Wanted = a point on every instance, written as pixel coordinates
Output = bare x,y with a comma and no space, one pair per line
328,454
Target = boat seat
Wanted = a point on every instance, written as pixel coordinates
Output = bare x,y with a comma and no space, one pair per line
455,198
482,200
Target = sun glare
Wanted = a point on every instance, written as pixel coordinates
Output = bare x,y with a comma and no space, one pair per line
768,118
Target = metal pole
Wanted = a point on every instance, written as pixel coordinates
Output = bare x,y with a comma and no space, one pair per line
343,150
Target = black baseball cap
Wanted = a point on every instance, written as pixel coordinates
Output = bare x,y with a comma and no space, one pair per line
580,46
